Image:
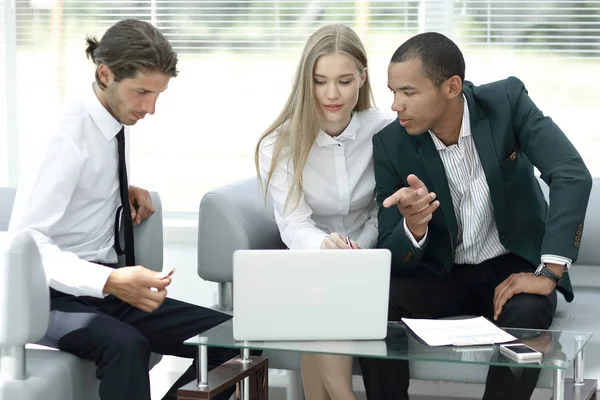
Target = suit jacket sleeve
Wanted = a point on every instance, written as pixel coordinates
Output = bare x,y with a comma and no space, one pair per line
561,167
405,256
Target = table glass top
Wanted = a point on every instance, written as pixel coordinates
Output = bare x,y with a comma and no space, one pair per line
559,348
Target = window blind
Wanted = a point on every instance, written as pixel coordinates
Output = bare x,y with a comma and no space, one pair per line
237,59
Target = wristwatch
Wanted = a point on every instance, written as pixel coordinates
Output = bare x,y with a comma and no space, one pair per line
547,272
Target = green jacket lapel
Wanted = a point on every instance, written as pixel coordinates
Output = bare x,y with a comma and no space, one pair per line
482,135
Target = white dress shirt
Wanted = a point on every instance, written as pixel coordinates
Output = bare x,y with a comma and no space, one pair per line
70,198
338,185
478,238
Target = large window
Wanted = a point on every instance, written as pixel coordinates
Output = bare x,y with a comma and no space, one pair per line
237,59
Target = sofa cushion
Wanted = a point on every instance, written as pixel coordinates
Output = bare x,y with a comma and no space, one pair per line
53,375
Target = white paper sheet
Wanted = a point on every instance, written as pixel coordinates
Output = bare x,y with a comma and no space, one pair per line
457,332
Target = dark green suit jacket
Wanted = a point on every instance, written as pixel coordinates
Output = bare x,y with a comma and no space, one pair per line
511,136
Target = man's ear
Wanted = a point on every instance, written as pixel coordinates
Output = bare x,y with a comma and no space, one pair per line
452,86
105,74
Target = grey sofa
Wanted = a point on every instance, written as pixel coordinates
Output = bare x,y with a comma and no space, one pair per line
235,217
51,374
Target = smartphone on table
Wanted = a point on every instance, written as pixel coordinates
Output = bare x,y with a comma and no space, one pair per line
520,352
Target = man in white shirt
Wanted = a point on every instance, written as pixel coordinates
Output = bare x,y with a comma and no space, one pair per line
462,211
71,202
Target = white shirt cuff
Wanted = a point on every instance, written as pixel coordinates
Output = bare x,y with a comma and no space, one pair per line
95,280
314,242
412,238
553,259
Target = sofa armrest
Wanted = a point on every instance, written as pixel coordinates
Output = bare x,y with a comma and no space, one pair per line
24,293
148,238
24,300
231,218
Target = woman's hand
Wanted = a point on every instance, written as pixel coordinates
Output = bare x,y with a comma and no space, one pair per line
337,241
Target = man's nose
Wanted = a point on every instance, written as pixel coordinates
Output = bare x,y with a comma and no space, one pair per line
398,106
150,105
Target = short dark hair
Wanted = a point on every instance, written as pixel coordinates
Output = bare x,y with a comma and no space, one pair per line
131,46
440,56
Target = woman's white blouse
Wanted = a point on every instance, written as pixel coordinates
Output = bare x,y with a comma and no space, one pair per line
338,185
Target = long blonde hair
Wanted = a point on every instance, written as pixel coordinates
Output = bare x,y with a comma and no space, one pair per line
300,120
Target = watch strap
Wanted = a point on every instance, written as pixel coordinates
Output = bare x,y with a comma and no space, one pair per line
547,272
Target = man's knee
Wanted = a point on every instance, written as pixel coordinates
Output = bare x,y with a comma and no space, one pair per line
528,311
128,343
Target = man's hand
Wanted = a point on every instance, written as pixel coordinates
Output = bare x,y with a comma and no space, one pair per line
337,241
134,285
416,205
140,204
524,282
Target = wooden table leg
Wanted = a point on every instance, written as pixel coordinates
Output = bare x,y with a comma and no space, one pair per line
228,374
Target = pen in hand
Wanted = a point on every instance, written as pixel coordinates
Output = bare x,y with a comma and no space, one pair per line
347,239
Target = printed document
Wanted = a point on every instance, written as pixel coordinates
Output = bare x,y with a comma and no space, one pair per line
458,332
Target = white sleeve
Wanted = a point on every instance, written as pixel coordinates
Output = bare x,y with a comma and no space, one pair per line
554,259
41,201
409,234
297,228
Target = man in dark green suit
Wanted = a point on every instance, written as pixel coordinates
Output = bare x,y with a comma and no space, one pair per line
461,210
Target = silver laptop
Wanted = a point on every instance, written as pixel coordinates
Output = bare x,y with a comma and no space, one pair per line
310,294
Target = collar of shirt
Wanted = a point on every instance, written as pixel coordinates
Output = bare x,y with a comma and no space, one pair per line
465,128
323,139
108,125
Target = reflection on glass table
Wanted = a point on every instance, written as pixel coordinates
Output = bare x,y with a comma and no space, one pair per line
560,349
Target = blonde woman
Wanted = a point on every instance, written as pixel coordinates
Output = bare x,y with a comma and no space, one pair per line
315,161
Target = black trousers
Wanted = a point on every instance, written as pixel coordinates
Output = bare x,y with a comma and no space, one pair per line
119,339
467,290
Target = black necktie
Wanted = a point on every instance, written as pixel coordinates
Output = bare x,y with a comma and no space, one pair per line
124,210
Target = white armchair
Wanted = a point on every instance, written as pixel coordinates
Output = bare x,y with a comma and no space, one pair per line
33,372
24,305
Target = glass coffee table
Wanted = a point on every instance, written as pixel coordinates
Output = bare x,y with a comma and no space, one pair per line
560,350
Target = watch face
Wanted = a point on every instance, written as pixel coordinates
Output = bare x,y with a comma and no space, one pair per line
539,269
